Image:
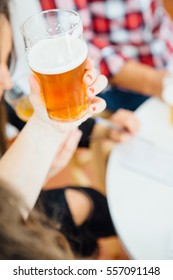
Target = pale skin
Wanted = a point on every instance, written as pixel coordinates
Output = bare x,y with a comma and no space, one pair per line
5,49
122,117
140,78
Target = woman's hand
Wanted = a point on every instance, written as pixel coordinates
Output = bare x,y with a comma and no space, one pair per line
69,131
124,119
5,49
95,83
128,121
68,139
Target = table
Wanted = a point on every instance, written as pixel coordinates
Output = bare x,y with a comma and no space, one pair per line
141,207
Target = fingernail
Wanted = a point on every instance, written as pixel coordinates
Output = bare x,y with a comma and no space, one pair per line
91,90
88,79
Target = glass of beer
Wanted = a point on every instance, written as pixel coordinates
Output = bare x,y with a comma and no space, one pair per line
56,53
19,101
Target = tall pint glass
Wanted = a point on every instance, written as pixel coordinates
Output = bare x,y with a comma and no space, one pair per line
56,53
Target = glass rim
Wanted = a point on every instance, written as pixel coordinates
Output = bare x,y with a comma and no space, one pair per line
46,12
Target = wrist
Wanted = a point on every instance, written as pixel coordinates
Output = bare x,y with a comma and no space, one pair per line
50,130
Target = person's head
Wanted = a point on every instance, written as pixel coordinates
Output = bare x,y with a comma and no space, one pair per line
33,239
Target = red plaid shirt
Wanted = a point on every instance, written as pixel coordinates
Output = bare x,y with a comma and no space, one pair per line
119,30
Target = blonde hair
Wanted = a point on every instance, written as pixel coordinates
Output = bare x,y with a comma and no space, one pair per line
33,239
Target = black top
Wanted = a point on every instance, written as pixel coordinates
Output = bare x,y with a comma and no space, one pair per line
83,238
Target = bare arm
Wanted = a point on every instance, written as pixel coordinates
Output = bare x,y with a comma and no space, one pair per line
140,78
25,165
5,49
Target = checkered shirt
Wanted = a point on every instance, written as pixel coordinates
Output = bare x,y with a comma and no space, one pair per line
122,30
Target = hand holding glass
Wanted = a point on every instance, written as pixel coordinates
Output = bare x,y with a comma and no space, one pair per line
56,53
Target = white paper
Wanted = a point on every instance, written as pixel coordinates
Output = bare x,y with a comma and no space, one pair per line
148,159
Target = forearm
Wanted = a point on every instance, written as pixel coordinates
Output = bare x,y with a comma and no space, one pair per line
5,39
25,165
140,78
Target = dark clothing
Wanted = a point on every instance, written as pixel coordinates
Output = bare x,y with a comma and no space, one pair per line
13,118
86,129
81,238
117,98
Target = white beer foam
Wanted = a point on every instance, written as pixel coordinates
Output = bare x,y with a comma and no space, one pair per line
57,55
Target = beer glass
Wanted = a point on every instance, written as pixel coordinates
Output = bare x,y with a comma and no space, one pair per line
19,101
56,53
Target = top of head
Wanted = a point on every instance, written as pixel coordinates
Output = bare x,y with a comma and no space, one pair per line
57,55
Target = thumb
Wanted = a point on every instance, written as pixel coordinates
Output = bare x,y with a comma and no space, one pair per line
35,91
34,85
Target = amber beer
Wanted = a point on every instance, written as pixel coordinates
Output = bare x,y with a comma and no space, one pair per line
59,65
23,108
20,102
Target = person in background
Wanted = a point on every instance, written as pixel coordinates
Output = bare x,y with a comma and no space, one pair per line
132,44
